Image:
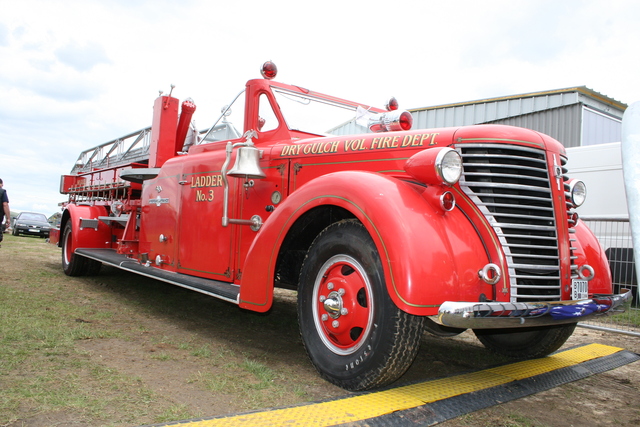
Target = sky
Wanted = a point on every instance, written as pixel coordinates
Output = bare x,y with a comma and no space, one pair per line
75,74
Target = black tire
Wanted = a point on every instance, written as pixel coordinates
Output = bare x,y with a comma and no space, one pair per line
373,342
525,343
441,331
93,267
15,232
74,264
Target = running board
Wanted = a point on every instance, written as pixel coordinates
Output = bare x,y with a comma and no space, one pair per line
222,290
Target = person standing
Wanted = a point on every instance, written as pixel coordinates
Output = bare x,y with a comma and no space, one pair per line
5,212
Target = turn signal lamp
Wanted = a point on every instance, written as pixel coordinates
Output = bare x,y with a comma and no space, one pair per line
269,70
435,166
447,201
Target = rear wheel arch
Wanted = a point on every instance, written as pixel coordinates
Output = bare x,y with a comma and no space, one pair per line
66,217
72,237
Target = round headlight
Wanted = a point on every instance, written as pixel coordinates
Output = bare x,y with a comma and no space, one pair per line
449,165
578,192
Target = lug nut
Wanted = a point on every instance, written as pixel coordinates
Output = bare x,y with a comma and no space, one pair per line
335,323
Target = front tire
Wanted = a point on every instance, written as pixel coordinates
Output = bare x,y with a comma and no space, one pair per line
525,343
353,333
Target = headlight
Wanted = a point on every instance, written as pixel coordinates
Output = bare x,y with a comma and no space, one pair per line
449,165
578,192
435,166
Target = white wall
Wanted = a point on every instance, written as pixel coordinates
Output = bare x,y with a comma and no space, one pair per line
600,168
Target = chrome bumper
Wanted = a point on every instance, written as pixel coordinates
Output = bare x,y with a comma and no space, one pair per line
494,315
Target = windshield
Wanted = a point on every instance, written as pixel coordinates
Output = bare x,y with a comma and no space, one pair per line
302,112
311,114
229,123
32,217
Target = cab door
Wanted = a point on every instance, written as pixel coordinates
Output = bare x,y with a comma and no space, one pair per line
260,198
205,247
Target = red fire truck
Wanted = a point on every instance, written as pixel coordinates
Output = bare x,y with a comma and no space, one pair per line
383,231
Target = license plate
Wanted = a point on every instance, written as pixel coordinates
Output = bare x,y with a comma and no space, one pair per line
33,230
579,289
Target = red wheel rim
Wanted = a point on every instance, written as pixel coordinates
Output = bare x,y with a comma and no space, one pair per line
342,304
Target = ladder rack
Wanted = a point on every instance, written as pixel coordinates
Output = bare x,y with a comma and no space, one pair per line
131,148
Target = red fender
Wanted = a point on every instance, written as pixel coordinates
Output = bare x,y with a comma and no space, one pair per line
88,237
589,248
426,254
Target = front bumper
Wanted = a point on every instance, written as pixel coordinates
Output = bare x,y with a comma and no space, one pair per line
32,231
497,315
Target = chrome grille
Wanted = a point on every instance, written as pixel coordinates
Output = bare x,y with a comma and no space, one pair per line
510,184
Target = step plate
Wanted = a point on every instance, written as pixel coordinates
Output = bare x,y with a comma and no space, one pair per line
222,290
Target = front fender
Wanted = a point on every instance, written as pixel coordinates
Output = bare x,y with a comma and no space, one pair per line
589,251
426,254
86,237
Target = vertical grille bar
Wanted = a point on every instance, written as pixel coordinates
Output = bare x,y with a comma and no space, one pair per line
510,185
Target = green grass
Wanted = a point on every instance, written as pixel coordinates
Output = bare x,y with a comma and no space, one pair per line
41,369
46,317
629,318
203,351
51,324
251,381
175,412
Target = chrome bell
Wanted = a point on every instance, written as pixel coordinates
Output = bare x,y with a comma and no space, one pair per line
247,164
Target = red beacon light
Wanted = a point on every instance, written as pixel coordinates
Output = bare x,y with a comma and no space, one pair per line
269,70
392,104
393,120
396,120
406,120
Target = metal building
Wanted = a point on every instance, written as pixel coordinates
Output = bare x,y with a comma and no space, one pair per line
575,116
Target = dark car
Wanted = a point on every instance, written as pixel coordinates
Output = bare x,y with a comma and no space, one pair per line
31,223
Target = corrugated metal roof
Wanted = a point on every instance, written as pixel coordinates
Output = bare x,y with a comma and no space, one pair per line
558,113
553,95
562,123
494,109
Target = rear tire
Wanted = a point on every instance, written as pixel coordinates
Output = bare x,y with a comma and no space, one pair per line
72,263
526,343
353,333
